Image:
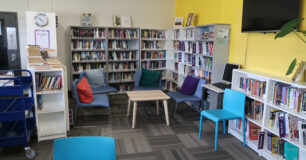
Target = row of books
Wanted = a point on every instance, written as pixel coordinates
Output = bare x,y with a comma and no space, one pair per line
88,33
195,61
252,86
153,34
88,56
254,109
80,67
206,75
118,44
207,35
126,55
205,48
176,34
88,44
152,44
122,33
188,34
153,64
153,55
289,97
118,77
124,87
47,82
276,145
122,66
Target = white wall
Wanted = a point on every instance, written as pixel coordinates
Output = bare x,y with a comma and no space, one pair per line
144,13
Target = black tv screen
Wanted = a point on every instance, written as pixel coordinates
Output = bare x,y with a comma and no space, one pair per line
268,15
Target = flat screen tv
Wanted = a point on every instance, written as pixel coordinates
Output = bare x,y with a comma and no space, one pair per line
268,15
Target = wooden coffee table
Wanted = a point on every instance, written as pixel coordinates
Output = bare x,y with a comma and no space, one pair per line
149,95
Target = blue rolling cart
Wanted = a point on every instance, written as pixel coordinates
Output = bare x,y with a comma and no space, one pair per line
17,117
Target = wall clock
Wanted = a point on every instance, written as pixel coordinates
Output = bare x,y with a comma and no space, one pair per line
41,19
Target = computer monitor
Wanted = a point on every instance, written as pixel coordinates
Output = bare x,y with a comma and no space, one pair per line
228,71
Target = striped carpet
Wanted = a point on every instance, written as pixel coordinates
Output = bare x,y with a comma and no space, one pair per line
152,139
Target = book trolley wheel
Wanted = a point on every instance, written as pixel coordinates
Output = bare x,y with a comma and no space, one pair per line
29,152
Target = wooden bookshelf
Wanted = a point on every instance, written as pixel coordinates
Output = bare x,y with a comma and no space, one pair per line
269,105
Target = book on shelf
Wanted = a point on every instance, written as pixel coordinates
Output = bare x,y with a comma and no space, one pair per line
254,131
151,44
153,34
88,45
252,86
126,76
153,64
291,152
88,33
122,66
302,132
123,55
47,82
289,97
88,56
118,44
261,139
86,66
123,33
254,109
153,55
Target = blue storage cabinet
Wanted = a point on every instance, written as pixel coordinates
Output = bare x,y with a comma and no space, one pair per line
17,117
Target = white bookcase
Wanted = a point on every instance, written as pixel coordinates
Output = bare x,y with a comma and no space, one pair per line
51,107
200,51
153,52
266,99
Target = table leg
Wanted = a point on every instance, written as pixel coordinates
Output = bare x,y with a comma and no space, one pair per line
134,114
157,107
129,107
166,111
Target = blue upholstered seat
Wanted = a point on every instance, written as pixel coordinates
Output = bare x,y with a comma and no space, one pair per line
179,97
139,88
81,148
101,90
100,100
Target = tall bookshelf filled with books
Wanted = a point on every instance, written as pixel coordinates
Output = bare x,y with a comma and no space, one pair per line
200,51
123,57
275,113
88,49
153,51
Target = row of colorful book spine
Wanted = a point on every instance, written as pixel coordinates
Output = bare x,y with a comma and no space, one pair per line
88,56
153,34
122,33
252,86
88,33
47,82
88,44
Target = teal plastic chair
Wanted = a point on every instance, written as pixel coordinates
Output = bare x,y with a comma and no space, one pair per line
84,148
233,108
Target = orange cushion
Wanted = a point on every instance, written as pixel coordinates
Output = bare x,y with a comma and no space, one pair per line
84,91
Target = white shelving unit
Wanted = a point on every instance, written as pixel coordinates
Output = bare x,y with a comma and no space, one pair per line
52,114
200,51
266,99
153,51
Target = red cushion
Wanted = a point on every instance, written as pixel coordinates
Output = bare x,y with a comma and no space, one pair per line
84,91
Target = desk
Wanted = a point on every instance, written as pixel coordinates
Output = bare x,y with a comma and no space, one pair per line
149,95
213,96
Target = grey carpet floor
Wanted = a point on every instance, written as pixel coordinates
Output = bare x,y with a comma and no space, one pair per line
152,139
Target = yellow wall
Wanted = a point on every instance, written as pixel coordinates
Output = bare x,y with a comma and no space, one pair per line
260,51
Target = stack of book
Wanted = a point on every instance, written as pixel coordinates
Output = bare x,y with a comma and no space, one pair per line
252,86
289,97
46,83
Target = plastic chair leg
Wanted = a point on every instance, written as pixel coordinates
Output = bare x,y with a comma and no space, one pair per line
224,127
243,130
200,128
216,136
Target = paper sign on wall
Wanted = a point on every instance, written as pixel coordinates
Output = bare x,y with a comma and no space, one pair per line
222,36
42,38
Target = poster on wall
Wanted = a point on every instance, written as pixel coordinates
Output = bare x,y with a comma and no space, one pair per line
222,36
11,38
42,38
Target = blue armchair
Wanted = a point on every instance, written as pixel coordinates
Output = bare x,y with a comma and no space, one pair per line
139,88
101,90
100,100
197,97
